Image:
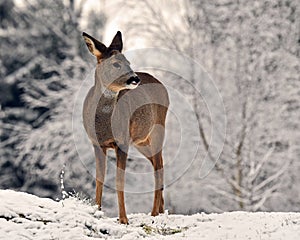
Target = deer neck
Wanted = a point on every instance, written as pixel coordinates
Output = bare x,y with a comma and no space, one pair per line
101,89
107,97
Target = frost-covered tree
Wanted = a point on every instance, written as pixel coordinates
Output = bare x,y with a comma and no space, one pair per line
251,50
45,48
14,120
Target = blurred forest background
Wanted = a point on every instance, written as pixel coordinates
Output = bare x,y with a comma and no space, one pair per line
251,49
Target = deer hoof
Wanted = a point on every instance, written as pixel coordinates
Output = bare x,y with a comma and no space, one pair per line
154,213
123,220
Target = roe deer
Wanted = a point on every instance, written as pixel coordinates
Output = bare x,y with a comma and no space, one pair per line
122,108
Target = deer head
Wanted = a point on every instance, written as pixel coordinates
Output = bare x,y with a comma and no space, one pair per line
113,70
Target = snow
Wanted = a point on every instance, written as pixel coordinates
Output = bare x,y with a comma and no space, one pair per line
25,216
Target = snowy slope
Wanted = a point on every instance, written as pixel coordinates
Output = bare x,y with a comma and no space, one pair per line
25,216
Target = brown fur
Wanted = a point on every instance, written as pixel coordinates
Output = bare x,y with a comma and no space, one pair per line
115,122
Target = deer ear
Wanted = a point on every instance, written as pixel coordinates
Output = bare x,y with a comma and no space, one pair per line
96,48
117,43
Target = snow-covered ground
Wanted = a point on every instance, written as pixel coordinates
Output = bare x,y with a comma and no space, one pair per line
25,216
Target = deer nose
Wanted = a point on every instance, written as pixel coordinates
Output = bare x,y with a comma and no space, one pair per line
133,81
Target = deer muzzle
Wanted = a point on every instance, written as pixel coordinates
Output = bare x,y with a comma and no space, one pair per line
133,81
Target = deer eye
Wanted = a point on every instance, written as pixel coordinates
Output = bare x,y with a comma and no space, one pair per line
117,65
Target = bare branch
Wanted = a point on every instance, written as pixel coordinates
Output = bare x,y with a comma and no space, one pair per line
272,178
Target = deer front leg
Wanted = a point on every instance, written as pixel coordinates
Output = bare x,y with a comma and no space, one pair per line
158,204
120,179
100,155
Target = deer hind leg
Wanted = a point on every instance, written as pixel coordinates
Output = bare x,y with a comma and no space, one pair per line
158,204
156,143
120,182
157,163
100,154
